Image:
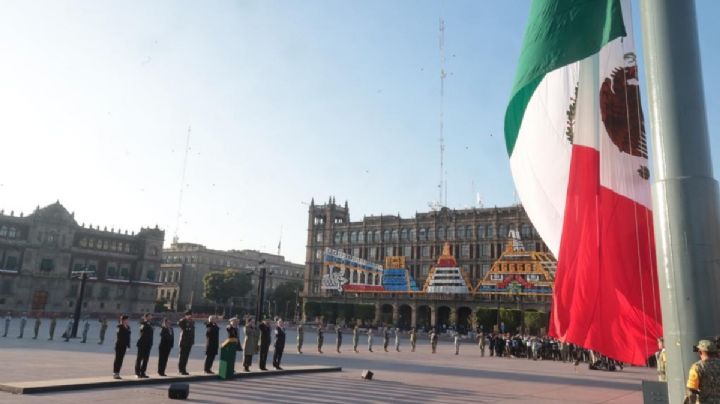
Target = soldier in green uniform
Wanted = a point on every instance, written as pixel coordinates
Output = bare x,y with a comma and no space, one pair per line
36,329
413,339
481,343
355,338
53,324
320,337
661,359
703,384
250,343
300,337
103,328
433,340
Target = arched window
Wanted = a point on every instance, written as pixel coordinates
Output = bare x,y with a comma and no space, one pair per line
361,236
423,234
3,231
369,237
502,231
490,231
413,235
468,232
404,235
337,237
344,237
451,233
353,237
461,233
431,234
377,236
525,231
386,235
395,235
441,233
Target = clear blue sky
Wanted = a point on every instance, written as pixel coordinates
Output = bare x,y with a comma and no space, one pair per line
287,100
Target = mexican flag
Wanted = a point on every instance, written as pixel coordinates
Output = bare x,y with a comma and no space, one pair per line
576,138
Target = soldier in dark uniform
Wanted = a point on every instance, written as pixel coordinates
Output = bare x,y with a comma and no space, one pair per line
320,338
249,344
167,340
703,384
338,338
144,344
122,343
187,339
355,338
264,329
212,343
279,344
386,338
103,328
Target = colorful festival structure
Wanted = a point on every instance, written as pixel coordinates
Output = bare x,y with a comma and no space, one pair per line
517,272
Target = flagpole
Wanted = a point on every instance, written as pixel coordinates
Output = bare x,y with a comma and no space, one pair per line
685,194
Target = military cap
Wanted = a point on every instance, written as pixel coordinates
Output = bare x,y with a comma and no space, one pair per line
705,345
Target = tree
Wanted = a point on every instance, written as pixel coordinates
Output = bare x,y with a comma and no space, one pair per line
285,296
220,287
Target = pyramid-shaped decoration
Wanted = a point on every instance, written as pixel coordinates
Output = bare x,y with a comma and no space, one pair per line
446,276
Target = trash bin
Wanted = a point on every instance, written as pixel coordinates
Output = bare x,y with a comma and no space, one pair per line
227,358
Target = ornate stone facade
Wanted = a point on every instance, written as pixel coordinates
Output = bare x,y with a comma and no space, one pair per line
38,252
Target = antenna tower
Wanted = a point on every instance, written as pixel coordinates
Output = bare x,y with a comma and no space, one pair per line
182,186
442,186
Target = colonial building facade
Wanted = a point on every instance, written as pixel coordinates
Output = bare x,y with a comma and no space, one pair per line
38,252
476,238
185,265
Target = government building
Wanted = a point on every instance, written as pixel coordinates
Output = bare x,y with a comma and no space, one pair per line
185,264
39,251
438,254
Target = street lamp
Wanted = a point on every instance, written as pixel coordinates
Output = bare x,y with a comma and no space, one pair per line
260,291
83,276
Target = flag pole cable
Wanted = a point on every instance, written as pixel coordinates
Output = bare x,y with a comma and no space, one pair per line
685,194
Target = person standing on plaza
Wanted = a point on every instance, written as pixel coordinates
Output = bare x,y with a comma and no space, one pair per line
433,340
370,338
264,345
386,338
320,337
122,343
144,345
103,329
661,360
249,344
167,340
481,343
212,343
338,338
413,339
8,318
456,340
355,338
86,328
703,384
233,333
36,329
187,339
300,337
68,329
53,324
23,321
279,344
397,339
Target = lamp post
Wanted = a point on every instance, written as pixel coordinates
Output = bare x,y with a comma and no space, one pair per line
83,276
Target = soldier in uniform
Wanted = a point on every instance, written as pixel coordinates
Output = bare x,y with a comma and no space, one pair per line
53,324
37,326
481,343
212,343
370,338
703,384
144,344
355,338
8,317
103,329
386,338
320,337
167,340
338,338
661,360
122,343
300,337
413,339
279,344
397,339
264,330
23,321
433,340
68,329
86,328
249,344
187,339
456,339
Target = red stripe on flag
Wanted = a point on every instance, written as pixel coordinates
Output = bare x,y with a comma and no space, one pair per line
606,289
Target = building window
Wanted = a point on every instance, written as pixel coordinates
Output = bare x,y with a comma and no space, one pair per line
388,251
377,236
461,233
431,234
3,231
412,235
502,231
112,271
373,253
337,237
12,232
525,231
344,237
407,251
425,251
7,287
319,237
484,250
104,292
11,263
423,234
318,254
489,231
150,275
395,235
441,233
361,236
47,265
451,233
403,235
124,273
353,237
120,292
465,251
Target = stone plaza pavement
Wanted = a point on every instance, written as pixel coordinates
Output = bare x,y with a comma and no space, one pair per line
401,377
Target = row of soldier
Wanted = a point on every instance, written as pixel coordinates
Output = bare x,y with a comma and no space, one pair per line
67,333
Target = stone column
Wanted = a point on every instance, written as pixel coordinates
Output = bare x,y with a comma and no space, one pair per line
395,314
453,320
433,315
413,315
378,312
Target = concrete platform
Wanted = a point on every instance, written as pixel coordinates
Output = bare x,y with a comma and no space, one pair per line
50,386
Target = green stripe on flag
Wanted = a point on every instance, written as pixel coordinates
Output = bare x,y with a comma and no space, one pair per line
559,32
